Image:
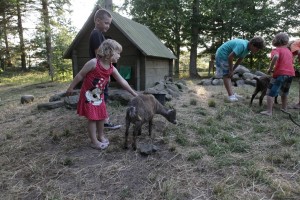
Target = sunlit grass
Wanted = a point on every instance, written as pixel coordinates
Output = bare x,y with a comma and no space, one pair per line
30,77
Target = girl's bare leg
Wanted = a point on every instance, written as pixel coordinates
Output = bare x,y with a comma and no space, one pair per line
284,102
270,102
92,131
100,130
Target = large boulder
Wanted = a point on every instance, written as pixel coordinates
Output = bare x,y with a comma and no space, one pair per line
241,70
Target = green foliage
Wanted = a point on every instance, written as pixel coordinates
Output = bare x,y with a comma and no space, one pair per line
195,155
17,77
211,103
181,139
193,102
171,20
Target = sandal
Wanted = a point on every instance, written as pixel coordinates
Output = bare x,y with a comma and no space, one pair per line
102,146
266,113
105,141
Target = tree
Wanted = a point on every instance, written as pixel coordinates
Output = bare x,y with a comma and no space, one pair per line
228,19
47,32
5,14
21,36
166,18
194,39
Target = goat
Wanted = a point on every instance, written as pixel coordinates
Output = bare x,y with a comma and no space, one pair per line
262,84
141,110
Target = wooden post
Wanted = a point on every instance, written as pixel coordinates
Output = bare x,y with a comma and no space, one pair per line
211,65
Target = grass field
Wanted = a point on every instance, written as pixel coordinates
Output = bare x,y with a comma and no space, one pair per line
218,150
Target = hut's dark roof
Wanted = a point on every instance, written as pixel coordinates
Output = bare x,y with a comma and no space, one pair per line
141,36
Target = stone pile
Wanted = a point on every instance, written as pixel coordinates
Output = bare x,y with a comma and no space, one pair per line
168,87
242,76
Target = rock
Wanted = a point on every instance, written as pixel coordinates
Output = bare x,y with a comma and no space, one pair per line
159,86
248,75
236,77
259,73
147,149
173,93
173,87
71,101
240,83
120,95
57,97
217,82
250,82
181,86
168,97
50,105
205,82
241,70
27,99
182,81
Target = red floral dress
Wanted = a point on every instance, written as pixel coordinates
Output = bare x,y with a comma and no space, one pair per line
91,100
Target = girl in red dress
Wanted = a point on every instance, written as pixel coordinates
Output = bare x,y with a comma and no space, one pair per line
95,75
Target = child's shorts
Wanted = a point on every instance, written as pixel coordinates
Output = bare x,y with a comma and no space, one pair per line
280,84
222,68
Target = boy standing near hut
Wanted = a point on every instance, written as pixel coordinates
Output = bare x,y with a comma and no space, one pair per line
102,20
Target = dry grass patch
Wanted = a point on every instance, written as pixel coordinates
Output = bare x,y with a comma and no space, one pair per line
218,150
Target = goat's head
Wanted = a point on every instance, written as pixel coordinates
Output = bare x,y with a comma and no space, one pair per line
172,116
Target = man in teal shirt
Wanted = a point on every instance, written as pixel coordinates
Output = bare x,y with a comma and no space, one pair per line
227,52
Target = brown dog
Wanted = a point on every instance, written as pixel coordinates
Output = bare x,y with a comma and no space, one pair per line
262,84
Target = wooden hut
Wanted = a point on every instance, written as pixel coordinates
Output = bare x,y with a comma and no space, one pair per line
144,59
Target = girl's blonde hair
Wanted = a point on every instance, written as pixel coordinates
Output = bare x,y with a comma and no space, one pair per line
280,39
108,48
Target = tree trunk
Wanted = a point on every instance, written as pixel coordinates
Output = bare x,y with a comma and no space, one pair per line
48,37
21,36
194,40
107,4
7,61
176,67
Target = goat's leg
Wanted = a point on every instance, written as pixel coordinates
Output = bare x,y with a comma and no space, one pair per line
126,134
135,132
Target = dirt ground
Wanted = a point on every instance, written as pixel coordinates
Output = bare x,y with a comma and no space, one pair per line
46,154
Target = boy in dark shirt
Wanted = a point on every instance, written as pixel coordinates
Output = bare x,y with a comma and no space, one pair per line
102,20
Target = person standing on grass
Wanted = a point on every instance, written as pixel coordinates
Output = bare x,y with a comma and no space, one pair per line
227,52
294,46
95,75
282,59
102,20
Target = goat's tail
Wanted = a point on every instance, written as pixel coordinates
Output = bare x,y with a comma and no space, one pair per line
255,78
132,113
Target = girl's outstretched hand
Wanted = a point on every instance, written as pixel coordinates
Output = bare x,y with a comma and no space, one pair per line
69,92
